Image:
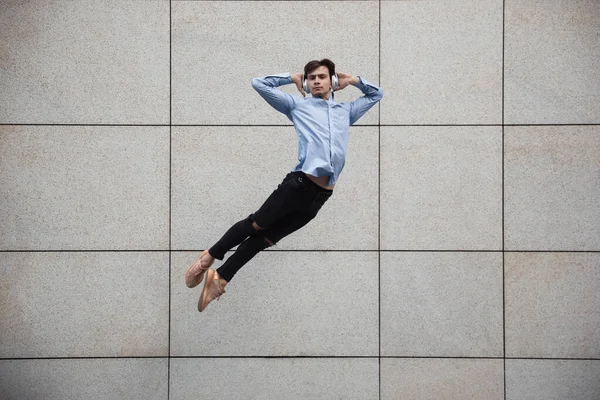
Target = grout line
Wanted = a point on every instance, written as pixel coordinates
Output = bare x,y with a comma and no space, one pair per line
379,211
84,358
503,247
297,357
310,250
291,126
269,1
59,124
170,191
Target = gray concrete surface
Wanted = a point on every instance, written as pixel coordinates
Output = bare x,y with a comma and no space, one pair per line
457,258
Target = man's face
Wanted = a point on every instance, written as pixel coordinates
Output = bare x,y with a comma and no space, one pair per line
319,83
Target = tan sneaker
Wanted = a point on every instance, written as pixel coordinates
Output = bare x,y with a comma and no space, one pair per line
212,289
195,272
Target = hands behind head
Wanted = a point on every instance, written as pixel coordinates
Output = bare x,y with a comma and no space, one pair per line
344,80
297,80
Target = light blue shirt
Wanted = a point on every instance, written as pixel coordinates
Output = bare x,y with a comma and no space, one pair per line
322,126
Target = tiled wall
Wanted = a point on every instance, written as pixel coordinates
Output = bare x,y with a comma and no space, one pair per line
459,257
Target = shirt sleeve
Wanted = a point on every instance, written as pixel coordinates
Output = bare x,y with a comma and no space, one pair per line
278,99
361,105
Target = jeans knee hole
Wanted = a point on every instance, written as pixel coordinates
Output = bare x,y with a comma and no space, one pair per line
256,227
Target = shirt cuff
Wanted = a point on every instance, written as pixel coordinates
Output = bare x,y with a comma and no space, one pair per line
282,79
363,84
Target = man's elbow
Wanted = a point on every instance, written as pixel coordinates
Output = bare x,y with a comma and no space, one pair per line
375,96
256,83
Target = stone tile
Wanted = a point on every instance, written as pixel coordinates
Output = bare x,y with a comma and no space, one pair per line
90,379
79,304
552,305
85,62
448,379
552,62
221,175
267,378
441,62
441,188
281,304
552,379
441,304
551,187
84,188
219,46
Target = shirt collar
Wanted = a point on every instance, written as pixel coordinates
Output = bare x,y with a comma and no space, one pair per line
331,97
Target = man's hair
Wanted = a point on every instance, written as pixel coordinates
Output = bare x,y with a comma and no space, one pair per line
314,64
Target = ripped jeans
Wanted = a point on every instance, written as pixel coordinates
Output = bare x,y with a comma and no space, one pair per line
294,203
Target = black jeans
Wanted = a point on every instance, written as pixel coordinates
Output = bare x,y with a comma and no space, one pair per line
295,202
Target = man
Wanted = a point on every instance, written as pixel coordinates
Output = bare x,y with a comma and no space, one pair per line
322,126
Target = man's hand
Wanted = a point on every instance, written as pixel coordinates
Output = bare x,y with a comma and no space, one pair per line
345,79
297,79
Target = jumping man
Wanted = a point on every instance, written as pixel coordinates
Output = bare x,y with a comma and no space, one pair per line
322,126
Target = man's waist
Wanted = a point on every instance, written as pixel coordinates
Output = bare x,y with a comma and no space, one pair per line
322,181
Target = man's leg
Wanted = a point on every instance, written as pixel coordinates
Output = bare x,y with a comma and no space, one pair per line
216,281
275,207
234,236
304,210
288,209
266,238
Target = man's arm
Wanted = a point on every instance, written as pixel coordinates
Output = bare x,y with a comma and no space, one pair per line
279,100
361,105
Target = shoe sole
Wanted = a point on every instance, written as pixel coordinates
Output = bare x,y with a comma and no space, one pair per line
201,274
209,277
